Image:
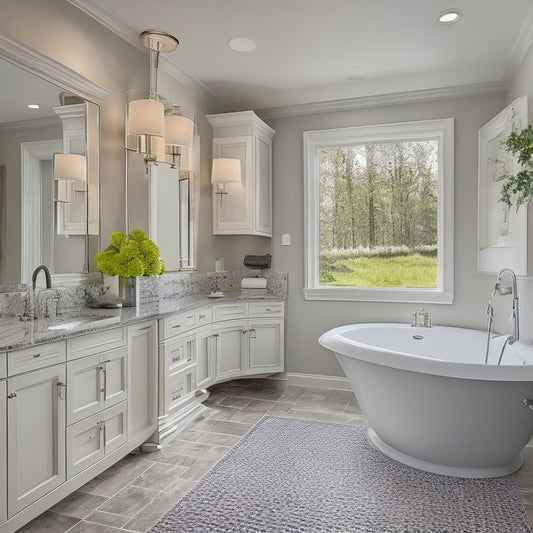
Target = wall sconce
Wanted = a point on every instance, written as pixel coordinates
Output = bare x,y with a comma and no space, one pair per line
70,168
155,127
225,170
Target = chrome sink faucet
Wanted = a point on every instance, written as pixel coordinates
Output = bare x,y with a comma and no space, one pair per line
421,318
44,268
48,278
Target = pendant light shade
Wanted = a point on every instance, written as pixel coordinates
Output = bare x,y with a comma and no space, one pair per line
178,130
146,117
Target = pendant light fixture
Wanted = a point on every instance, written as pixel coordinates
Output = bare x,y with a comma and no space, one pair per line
155,126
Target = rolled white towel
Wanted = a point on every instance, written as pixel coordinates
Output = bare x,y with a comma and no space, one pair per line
253,283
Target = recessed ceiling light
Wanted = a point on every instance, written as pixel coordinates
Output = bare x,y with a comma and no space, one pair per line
33,106
242,44
450,16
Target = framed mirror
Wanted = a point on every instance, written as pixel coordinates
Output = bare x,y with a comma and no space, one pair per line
163,202
172,216
46,109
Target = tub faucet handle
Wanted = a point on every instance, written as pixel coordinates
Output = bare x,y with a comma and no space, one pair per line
421,318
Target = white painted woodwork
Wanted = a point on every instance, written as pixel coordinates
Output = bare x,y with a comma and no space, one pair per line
96,342
36,435
3,451
179,390
230,310
3,365
229,351
265,346
264,309
205,369
95,383
247,208
91,439
35,357
142,377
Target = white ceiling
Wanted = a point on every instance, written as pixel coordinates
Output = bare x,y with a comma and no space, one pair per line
317,50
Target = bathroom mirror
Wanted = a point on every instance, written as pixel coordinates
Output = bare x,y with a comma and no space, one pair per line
164,203
36,228
172,216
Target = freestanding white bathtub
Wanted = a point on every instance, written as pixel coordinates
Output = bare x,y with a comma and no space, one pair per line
430,400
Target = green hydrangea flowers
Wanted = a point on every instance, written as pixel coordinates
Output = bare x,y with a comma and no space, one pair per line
136,256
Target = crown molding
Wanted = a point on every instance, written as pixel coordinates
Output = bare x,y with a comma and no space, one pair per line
113,22
46,68
521,46
30,124
379,100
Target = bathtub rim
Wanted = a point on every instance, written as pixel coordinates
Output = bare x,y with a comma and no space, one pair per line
334,340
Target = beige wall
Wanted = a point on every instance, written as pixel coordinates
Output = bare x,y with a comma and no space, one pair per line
307,320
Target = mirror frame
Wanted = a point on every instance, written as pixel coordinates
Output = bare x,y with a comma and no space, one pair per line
62,76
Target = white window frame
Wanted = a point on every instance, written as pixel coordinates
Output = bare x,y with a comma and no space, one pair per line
441,130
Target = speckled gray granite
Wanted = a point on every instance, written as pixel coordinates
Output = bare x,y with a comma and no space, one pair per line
159,296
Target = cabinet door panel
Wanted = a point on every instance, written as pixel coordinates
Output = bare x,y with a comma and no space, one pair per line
263,196
115,376
204,360
85,388
115,426
229,352
142,377
36,435
265,346
3,452
85,444
232,211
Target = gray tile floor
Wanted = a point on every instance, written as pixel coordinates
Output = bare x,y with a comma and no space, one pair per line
136,492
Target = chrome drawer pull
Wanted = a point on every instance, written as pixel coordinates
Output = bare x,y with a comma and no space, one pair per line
36,355
12,395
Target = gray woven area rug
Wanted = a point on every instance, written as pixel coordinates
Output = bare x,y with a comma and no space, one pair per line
289,475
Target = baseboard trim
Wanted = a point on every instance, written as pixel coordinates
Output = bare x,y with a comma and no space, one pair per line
318,380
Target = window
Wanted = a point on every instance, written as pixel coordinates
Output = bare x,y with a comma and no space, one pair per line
379,212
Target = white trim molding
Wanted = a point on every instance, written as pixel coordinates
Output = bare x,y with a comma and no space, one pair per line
46,68
318,380
441,130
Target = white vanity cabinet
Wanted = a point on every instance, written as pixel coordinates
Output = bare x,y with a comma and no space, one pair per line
142,378
96,383
3,438
247,208
205,358
229,350
36,424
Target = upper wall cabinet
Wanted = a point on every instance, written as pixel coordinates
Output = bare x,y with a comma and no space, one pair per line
246,209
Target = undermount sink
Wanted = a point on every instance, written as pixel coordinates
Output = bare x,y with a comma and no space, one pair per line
82,322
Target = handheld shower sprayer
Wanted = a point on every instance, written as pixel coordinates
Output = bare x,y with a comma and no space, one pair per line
503,290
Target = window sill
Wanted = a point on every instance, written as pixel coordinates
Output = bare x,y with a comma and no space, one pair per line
361,294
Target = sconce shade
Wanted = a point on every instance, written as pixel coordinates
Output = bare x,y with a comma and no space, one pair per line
178,130
226,170
70,167
145,117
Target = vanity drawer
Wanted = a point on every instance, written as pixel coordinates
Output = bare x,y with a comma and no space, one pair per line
204,316
3,365
35,357
229,311
177,354
256,309
93,343
176,324
179,389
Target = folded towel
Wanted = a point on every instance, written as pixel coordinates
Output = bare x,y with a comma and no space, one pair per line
253,283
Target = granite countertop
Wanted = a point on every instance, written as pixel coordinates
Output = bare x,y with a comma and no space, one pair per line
16,334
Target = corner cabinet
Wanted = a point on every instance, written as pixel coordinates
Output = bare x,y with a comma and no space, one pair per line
247,208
